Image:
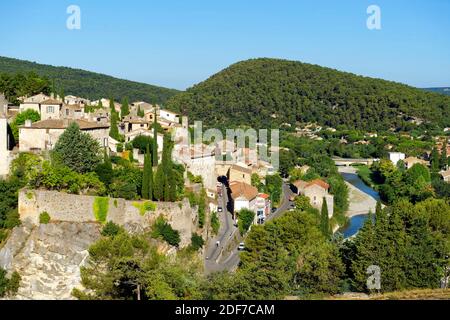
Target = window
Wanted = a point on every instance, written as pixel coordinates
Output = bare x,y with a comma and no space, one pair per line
50,109
67,112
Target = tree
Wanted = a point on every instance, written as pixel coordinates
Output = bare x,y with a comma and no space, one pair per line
444,160
246,218
435,161
155,142
20,119
124,109
140,112
77,150
114,130
147,180
324,220
105,170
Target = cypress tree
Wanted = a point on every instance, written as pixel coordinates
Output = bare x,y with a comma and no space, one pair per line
112,107
324,221
435,161
155,142
147,179
114,130
443,160
125,109
100,104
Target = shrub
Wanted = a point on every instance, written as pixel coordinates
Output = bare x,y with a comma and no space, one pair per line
100,207
12,219
119,147
162,229
197,242
215,223
44,218
9,287
246,218
111,229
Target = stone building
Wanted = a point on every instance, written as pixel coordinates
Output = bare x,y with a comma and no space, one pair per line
42,135
316,191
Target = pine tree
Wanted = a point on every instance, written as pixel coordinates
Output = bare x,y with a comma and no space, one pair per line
155,142
125,109
77,150
324,221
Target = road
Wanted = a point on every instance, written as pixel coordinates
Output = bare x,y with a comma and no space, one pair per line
229,236
213,252
286,204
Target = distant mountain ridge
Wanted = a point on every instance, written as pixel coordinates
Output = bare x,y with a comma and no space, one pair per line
265,93
88,84
442,90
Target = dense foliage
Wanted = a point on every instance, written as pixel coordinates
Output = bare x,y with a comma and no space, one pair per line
85,84
269,92
126,267
17,84
408,242
77,150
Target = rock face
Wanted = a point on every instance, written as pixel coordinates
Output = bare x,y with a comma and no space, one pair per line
48,257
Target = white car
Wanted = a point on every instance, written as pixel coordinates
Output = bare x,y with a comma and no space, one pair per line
219,209
241,246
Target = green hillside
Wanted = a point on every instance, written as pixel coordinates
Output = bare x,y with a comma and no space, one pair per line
89,84
268,92
445,90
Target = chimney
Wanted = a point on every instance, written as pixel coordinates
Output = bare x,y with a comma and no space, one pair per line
28,123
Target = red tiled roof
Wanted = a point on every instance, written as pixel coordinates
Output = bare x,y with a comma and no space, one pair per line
319,183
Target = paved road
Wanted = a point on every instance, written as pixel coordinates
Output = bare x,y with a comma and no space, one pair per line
231,262
227,229
286,204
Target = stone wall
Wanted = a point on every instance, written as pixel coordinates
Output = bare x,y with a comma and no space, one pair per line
65,207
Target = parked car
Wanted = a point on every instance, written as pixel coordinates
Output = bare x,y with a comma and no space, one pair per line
241,246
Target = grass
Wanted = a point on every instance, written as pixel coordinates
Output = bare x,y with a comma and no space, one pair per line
101,207
44,218
144,207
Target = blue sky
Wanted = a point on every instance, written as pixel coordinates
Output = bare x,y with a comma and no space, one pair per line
177,43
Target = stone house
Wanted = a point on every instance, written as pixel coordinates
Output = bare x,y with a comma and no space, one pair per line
240,173
244,196
316,191
445,175
169,115
42,135
410,161
262,208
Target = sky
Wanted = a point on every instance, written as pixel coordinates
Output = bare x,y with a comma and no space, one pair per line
178,43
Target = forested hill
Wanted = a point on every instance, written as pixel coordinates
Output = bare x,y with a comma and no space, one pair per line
89,84
445,90
268,92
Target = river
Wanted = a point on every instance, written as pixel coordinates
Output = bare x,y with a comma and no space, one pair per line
362,199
